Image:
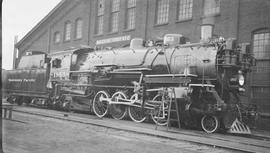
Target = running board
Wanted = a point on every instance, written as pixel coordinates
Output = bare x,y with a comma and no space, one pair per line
239,128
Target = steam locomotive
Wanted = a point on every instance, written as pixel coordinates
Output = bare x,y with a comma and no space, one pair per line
205,79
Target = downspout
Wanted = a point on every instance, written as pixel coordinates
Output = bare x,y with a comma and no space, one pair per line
237,21
89,24
49,39
15,52
146,19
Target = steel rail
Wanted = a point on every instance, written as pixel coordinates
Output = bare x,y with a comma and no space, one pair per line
224,142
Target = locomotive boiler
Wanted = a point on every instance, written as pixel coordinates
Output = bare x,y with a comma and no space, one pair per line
205,79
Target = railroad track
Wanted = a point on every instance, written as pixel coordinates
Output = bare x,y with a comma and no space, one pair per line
237,143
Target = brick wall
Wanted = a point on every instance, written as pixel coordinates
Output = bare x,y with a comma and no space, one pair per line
237,19
254,15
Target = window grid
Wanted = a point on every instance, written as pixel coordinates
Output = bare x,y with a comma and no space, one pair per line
67,31
131,14
115,5
211,7
162,11
261,45
258,91
206,32
100,7
185,9
78,32
100,17
131,3
114,25
57,37
260,69
100,24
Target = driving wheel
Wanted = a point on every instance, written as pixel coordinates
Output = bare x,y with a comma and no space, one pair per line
100,104
137,114
118,111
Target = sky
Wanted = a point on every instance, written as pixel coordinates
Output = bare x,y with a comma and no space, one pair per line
18,18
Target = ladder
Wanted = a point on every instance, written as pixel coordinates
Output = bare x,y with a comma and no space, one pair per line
173,110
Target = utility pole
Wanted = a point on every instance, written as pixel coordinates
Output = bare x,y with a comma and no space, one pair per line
15,52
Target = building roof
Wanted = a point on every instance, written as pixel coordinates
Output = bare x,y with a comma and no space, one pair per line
41,22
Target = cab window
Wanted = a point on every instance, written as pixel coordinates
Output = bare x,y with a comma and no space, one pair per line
32,62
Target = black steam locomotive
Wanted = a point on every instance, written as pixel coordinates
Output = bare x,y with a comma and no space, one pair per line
205,80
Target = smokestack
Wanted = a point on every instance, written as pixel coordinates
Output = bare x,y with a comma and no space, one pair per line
15,52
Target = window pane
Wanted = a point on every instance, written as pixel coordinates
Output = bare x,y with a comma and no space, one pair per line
256,36
162,11
100,7
131,18
131,3
78,33
255,49
261,45
100,14
267,36
115,5
256,43
261,36
115,18
206,31
185,9
100,25
57,37
131,14
261,42
67,31
267,42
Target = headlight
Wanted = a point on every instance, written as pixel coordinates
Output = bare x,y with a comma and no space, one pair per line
241,80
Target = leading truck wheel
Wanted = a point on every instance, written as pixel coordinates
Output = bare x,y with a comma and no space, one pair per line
210,123
136,113
100,104
118,111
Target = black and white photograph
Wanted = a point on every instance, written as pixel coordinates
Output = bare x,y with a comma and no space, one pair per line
135,76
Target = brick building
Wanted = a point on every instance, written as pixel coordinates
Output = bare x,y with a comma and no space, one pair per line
77,23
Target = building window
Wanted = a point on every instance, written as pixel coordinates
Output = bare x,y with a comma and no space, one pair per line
57,37
206,32
261,44
78,28
211,7
100,24
115,8
67,30
162,12
100,17
131,14
185,9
